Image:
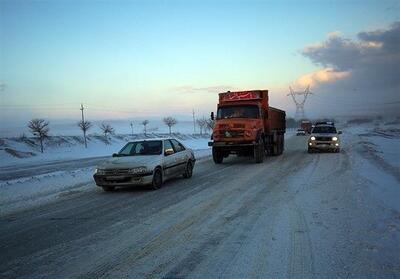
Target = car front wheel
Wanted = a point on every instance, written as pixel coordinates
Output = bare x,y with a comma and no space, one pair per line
157,180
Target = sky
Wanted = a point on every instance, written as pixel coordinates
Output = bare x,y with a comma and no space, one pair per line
149,59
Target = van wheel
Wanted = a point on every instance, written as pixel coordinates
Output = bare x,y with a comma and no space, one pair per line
157,180
189,170
108,188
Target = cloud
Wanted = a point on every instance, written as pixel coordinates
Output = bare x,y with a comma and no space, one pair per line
365,69
321,76
209,89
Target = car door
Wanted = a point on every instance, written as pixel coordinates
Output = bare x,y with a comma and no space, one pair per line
181,155
170,160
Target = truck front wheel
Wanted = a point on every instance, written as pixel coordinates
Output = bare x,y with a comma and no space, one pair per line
259,152
218,156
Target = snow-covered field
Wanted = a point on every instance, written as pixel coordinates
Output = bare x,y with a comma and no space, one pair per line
22,151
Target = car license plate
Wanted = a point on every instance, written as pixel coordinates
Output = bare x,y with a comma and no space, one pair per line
115,177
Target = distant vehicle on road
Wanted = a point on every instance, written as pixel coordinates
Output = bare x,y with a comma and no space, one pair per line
300,132
324,137
145,162
247,126
306,126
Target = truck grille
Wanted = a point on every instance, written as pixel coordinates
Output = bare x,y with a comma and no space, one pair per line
232,133
324,138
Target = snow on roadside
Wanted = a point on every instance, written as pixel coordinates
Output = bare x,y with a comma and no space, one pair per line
377,159
24,151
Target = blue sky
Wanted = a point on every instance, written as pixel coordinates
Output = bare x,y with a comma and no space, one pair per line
151,58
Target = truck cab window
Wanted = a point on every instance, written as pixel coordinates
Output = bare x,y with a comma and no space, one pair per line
243,111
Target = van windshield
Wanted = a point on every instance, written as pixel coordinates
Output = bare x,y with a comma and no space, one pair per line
324,130
238,112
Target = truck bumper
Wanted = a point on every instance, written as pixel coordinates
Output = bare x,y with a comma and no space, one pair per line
231,144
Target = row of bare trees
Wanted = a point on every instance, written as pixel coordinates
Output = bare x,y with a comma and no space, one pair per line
40,128
205,124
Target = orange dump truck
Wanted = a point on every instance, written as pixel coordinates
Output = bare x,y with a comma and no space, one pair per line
306,126
246,125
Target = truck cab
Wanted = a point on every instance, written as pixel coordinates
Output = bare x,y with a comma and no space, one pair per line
244,125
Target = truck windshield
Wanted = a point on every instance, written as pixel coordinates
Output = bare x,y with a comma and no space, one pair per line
140,148
238,112
324,130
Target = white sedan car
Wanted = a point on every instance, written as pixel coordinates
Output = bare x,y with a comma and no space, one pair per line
145,162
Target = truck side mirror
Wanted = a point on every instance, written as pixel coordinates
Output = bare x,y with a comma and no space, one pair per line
212,115
115,155
339,132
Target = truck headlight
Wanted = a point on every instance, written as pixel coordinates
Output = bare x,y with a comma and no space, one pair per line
137,170
334,138
100,171
312,138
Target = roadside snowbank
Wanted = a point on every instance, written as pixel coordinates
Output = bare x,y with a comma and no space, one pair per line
17,151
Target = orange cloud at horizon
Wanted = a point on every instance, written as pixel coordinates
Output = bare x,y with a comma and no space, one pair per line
326,75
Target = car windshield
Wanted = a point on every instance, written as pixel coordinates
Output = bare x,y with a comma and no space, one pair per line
324,130
140,148
238,112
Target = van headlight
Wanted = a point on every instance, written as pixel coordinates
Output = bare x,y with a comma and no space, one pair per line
100,171
334,138
312,138
138,170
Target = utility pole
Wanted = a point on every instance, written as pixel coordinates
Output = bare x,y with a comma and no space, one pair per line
194,123
83,117
131,124
83,125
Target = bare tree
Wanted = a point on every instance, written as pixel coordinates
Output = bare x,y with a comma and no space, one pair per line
39,128
144,123
210,124
201,123
170,121
84,126
107,129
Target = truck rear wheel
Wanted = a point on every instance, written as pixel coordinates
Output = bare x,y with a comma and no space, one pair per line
218,156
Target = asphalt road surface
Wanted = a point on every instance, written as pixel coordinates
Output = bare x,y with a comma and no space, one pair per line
298,215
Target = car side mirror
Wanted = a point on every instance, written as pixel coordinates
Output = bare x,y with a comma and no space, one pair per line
115,155
212,115
168,152
339,132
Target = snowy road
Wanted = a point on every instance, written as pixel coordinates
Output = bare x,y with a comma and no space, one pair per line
12,172
298,215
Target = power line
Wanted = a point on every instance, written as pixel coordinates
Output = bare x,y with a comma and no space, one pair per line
300,113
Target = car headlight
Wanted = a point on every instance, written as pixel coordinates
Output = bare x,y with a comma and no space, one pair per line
312,138
334,138
100,171
137,170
